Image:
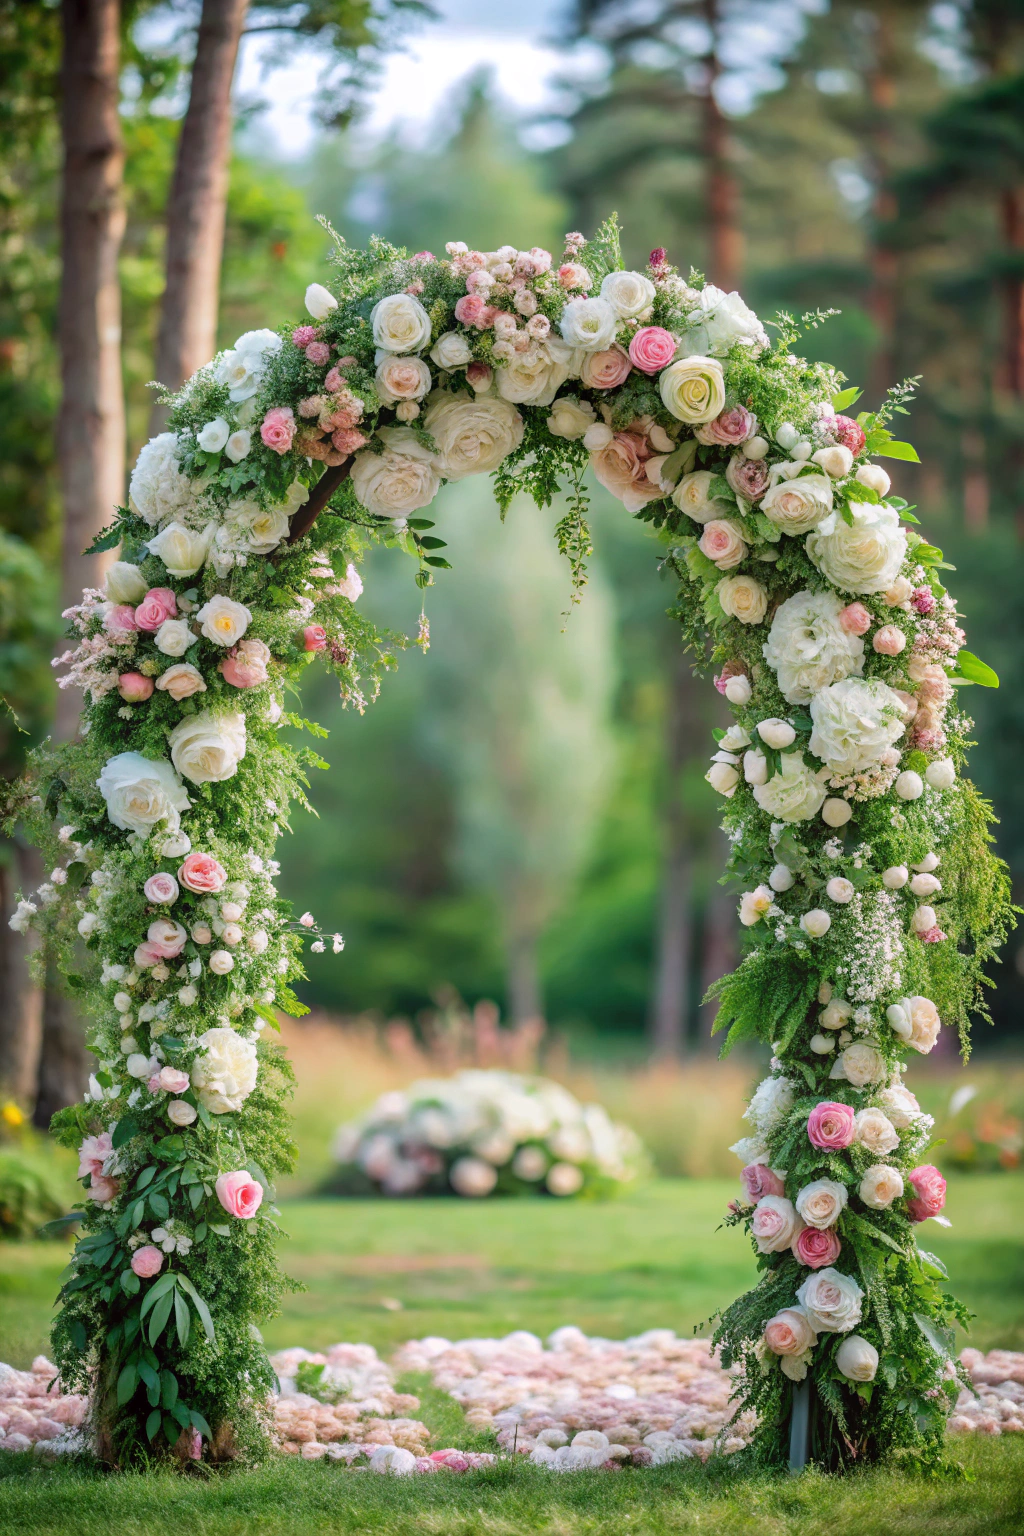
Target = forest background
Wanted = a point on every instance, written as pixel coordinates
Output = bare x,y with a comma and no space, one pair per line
522,816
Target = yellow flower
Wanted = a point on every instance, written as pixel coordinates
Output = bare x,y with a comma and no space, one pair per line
12,1116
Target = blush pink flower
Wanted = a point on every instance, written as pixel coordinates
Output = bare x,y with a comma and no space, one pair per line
278,427
93,1153
245,666
303,335
652,348
147,1262
134,688
855,619
831,1126
619,466
607,369
470,310
239,1194
922,600
933,935
202,874
817,1248
120,620
158,605
424,256
479,375
146,955
348,440
318,353
314,637
333,382
571,274
748,477
759,1180
172,1080
729,670
849,434
101,1188
161,889
312,405
166,938
929,1192
889,640
729,429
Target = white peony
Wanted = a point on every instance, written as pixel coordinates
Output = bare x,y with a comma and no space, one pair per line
857,1359
864,557
535,376
693,389
208,747
225,1074
181,549
722,321
808,647
141,792
590,324
320,301
242,368
158,491
855,721
473,435
770,1103
223,621
628,293
797,506
125,583
400,324
794,793
405,477
570,418
451,351
258,530
832,1301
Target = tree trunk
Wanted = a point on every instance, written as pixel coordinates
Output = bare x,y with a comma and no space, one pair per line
90,426
721,193
670,999
884,265
1012,213
64,1060
197,204
523,980
718,943
21,1010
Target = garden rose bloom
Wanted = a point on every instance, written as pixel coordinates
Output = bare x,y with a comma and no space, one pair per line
748,477
158,604
790,1332
246,665
134,688
278,427
570,418
180,1112
401,324
174,637
794,793
729,428
619,466
855,619
607,369
832,1301
929,1192
147,1262
92,1154
314,638
172,1079
889,640
223,621
722,542
402,378
473,436
835,460
140,793
774,1224
900,1105
758,1181
239,1194
743,598
166,938
857,1359
652,348
161,889
124,584
798,505
831,1126
202,874
628,293
225,1074
876,1132
182,549
207,748
880,1186
860,1064
405,477
120,620
862,558
821,1202
693,389
816,1247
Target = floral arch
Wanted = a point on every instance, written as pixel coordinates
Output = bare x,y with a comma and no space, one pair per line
871,899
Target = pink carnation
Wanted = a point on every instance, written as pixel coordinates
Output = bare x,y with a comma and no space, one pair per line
134,688
929,1191
201,873
831,1126
147,1262
278,427
314,637
239,1194
158,605
313,404
932,935
817,1248
855,619
849,434
652,348
318,353
758,1181
303,335
348,440
333,382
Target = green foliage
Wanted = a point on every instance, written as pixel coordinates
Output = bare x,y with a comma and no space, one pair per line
30,1194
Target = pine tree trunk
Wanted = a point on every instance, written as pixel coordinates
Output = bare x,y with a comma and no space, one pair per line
883,259
721,193
719,949
525,1000
197,205
22,998
64,1060
1012,212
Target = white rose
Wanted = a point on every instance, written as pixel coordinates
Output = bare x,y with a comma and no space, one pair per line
755,767
174,637
140,792
125,583
320,301
401,378
794,793
855,721
241,369
221,962
722,541
738,690
224,621
571,418
909,785
743,598
225,1074
180,1112
880,1186
735,739
941,774
808,647
693,496
876,1132
840,890
181,549
832,1301
535,376
259,530
816,923
214,435
776,733
836,461
900,1105
857,1359
158,491
724,778
238,445
473,436
400,323
770,1104
860,1064
207,748
693,389
451,351
836,1015
821,1203
864,557
405,477
754,904
589,324
875,478
796,506
721,321
628,293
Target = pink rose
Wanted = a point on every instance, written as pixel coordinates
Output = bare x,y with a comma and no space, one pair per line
789,1332
348,440
619,466
758,1181
817,1248
479,375
831,1126
147,1262
849,434
607,369
470,310
166,939
202,874
303,335
748,477
930,1192
889,641
729,429
245,666
146,955
161,889
101,1189
133,687
278,427
774,1224
120,620
158,605
314,637
239,1194
721,542
318,353
93,1153
572,275
172,1079
855,619
652,348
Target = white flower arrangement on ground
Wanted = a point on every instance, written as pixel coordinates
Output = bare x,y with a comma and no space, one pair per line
486,1132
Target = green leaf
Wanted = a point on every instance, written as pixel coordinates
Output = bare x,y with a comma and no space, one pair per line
939,1339
437,560
126,1384
201,1307
172,1430
158,1318
158,1205
198,1422
419,522
932,1266
124,1131
107,538
130,1282
181,1413
195,1196
431,543
894,449
846,398
221,1231
159,1288
152,1424
182,1319
200,1232
168,1389
146,1176
974,670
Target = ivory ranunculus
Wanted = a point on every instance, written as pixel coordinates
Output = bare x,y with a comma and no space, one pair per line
840,890
473,435
821,1203
207,748
774,1224
570,418
140,793
860,1064
181,549
794,793
855,721
181,681
723,777
880,1186
535,376
125,583
874,477
589,324
181,1112
832,1301
857,1359
864,557
405,477
876,1132
798,505
776,733
628,293
743,598
693,389
224,1074
400,323
808,647
693,496
836,812
816,923
223,621
923,1023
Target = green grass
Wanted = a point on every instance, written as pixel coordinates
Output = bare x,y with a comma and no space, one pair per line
651,1259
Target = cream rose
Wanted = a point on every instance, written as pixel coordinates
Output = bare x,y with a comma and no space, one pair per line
860,1064
857,1359
320,301
774,1224
400,324
223,621
207,748
535,376
451,351
401,378
743,598
855,722
125,583
916,1020
789,1332
797,506
570,418
880,1186
693,389
181,681
174,637
473,435
821,1203
140,793
901,1106
875,1131
832,1301
620,469
258,530
864,557
693,496
589,324
794,793
808,647
405,477
628,293
225,1074
181,549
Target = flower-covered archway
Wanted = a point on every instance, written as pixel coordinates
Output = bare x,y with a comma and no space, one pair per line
870,897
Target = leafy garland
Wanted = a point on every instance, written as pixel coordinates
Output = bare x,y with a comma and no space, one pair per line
837,646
